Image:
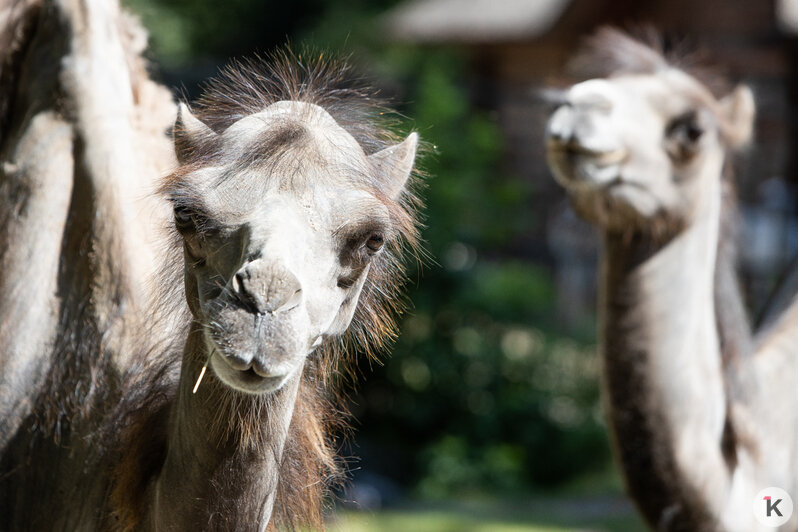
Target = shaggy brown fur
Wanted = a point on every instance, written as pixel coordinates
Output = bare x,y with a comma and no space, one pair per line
97,435
309,464
17,21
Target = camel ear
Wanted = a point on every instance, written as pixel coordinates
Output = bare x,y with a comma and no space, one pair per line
190,134
738,110
394,164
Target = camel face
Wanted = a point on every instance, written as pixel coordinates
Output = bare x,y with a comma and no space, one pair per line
280,233
634,149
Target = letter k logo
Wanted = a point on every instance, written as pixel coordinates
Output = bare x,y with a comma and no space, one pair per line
772,506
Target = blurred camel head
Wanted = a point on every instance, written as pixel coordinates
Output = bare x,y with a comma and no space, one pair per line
638,149
283,217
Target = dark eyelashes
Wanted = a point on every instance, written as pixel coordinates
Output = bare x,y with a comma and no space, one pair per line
686,126
184,219
370,242
358,234
193,221
356,252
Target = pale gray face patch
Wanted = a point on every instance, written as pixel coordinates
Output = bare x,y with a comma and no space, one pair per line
279,243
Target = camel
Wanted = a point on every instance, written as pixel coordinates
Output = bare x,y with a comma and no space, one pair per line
171,346
702,414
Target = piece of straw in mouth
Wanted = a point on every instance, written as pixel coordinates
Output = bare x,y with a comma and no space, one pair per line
202,374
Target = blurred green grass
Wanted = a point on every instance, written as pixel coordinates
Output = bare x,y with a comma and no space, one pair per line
611,514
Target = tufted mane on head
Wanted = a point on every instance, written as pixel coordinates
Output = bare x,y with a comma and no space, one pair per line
248,86
612,52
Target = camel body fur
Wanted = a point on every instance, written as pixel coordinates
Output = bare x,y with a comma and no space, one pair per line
702,414
262,241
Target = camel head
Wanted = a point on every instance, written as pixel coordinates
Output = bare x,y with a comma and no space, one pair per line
282,215
638,148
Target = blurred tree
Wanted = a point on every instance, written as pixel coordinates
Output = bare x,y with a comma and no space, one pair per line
181,30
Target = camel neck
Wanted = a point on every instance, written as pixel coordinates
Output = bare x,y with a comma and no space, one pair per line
664,290
224,451
662,365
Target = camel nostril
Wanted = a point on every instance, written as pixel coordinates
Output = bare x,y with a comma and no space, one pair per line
292,302
242,291
238,282
266,288
560,127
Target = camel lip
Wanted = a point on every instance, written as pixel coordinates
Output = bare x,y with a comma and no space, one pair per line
585,174
573,149
248,381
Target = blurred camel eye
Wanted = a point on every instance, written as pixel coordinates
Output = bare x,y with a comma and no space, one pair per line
684,135
693,132
375,242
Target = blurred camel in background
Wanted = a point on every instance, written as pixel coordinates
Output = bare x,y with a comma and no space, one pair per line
702,414
169,345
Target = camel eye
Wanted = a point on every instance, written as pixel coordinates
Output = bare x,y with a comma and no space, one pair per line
184,219
375,242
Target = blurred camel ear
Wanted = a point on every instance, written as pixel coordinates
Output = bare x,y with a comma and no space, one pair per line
190,134
394,164
738,110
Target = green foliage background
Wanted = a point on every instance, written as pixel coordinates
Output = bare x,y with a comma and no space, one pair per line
484,391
